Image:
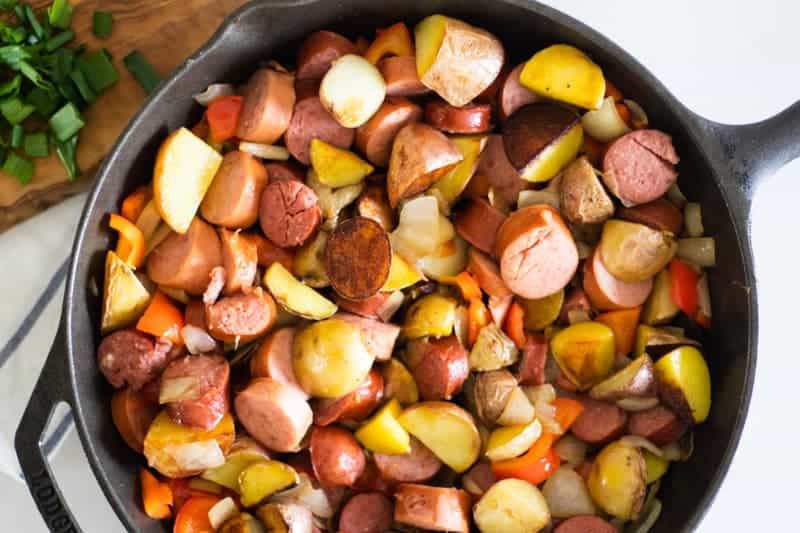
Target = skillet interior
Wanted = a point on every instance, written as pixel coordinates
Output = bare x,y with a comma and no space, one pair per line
263,31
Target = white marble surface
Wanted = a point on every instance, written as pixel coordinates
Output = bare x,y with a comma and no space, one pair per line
732,61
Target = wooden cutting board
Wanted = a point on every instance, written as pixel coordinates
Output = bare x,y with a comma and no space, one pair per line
166,32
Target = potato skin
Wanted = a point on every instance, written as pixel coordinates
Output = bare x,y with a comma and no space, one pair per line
583,198
488,393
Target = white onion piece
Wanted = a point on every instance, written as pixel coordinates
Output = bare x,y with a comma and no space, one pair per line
543,196
546,414
519,444
460,325
213,92
675,196
196,456
567,495
518,410
352,90
576,316
498,308
386,311
265,151
637,404
680,450
704,296
540,393
637,441
197,340
693,220
647,519
638,116
450,264
418,232
179,389
304,493
604,124
221,512
332,201
698,250
571,449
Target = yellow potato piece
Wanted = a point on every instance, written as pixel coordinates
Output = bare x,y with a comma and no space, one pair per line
430,316
184,169
660,308
245,451
263,479
451,185
337,167
512,441
585,353
400,383
447,430
656,466
124,296
428,37
401,275
556,156
297,298
564,73
542,312
617,481
309,262
383,433
511,506
685,382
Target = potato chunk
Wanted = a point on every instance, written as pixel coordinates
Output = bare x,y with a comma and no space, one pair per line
511,506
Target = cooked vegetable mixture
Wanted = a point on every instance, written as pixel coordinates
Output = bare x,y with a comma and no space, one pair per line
407,286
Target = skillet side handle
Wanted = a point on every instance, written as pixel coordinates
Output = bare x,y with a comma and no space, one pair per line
51,388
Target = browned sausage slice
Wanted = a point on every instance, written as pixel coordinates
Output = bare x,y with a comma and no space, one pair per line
513,94
242,317
232,199
130,357
277,415
357,258
660,214
289,213
239,259
274,358
499,174
268,253
354,406
312,121
533,360
439,366
201,381
373,203
432,508
336,456
478,223
599,422
638,167
659,425
379,337
267,108
537,253
318,51
417,466
376,136
368,512
283,170
487,274
607,292
471,118
184,261
401,77
585,524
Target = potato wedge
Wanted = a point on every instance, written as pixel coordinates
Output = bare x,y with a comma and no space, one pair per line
488,393
657,341
295,297
448,261
352,90
185,166
542,312
124,296
511,506
451,185
430,316
337,167
636,380
308,263
244,452
518,410
684,383
512,441
383,432
659,307
263,479
447,430
401,275
399,383
564,73
585,353
617,481
635,252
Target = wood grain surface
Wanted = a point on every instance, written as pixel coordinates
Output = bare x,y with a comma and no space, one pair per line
166,32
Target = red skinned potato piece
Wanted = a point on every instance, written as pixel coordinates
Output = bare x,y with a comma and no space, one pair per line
439,366
354,406
318,51
232,199
374,139
336,456
367,512
478,223
373,203
311,120
289,214
495,171
471,118
512,94
379,337
267,107
660,214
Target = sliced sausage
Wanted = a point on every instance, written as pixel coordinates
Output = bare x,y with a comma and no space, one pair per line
417,466
379,337
267,108
478,223
274,358
216,284
659,425
376,136
232,199
537,253
639,166
471,118
133,412
318,51
195,314
277,415
336,456
268,253
660,214
585,469
432,508
357,258
312,121
533,360
584,200
479,478
499,174
283,170
607,292
599,422
585,524
204,379
487,274
576,300
368,512
239,259
512,94
439,366
184,261
369,308
130,357
289,213
401,77
373,203
354,406
242,317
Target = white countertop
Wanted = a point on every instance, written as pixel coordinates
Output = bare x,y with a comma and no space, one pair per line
731,61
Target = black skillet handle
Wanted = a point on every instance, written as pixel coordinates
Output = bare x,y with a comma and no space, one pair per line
51,389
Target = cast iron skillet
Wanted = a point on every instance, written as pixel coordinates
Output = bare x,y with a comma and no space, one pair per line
720,167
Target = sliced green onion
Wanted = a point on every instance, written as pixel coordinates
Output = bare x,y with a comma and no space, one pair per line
66,122
98,69
33,20
19,10
102,23
12,35
17,135
60,14
19,167
32,74
68,91
66,153
142,70
83,86
12,55
59,40
45,102
11,87
37,145
62,61
15,110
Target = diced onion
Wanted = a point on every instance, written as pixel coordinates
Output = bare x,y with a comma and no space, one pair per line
704,296
390,306
604,124
534,197
265,151
460,325
647,519
304,493
638,116
417,233
540,393
675,196
546,414
637,404
637,441
680,450
221,512
698,250
571,449
196,456
567,495
332,201
197,340
179,389
454,261
213,92
693,220
518,410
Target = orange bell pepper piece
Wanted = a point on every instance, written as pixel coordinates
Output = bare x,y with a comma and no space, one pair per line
193,516
534,466
701,319
625,114
223,117
394,40
162,318
134,203
683,279
469,288
514,325
478,316
567,412
613,91
623,323
594,150
130,247
156,496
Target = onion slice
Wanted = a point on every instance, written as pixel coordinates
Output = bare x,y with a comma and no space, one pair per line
305,494
693,219
221,512
196,456
638,441
179,389
676,196
704,296
213,92
638,116
571,449
567,495
604,124
700,251
197,340
265,151
390,306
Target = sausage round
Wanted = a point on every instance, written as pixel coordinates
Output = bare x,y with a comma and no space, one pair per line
439,366
184,261
585,524
375,137
277,415
312,121
471,118
638,167
512,94
495,171
401,77
357,258
336,456
267,108
318,51
368,512
607,292
533,360
537,253
599,422
379,337
487,274
130,357
417,466
659,425
368,308
274,358
660,214
232,199
239,259
280,170
209,376
478,223
290,213
242,317
133,412
479,478
354,406
432,508
267,253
